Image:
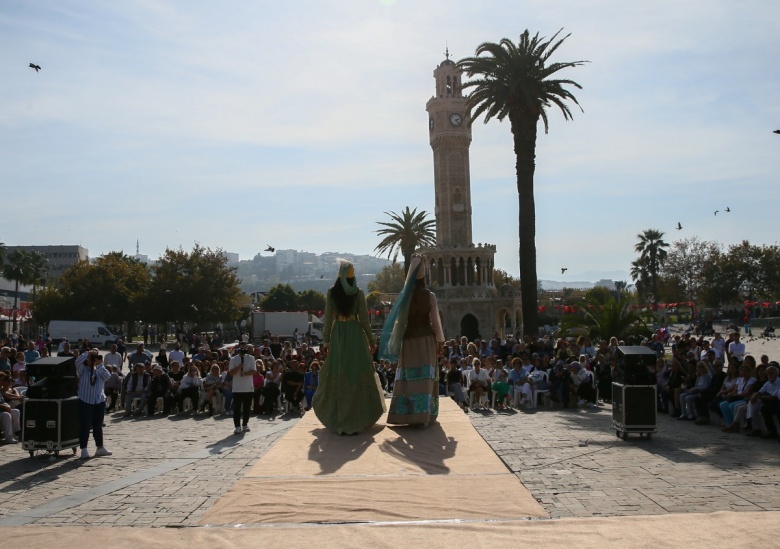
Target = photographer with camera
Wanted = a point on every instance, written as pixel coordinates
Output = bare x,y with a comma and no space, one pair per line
242,367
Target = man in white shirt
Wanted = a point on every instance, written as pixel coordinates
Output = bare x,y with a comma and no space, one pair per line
177,354
242,367
736,347
764,403
113,359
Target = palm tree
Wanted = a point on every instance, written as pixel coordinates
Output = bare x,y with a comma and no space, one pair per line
406,233
614,318
515,81
24,267
652,254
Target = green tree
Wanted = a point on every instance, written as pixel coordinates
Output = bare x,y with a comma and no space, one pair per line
390,280
405,234
501,277
599,294
685,265
281,297
196,286
310,300
652,250
23,267
111,289
614,318
518,82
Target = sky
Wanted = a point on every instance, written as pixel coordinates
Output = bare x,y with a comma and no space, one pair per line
298,124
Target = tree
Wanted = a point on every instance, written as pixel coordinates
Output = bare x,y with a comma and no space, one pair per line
310,300
406,233
281,297
516,81
501,277
599,294
390,280
614,318
112,289
23,267
685,264
194,287
652,253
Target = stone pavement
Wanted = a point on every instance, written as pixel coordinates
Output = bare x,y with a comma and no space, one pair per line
573,463
168,471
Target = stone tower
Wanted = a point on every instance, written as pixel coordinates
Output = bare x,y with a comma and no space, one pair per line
460,273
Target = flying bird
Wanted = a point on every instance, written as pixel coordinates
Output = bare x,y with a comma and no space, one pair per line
36,67
716,212
728,209
270,248
564,269
776,131
679,226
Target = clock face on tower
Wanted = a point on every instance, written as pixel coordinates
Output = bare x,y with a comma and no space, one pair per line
456,119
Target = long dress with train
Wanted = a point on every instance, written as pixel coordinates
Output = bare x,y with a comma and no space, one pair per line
347,400
416,389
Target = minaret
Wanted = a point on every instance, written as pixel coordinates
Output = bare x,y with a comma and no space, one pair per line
137,248
450,137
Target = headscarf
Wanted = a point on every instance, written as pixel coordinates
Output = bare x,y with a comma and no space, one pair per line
395,325
347,270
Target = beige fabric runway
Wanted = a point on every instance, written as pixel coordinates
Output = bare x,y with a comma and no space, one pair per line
390,473
737,530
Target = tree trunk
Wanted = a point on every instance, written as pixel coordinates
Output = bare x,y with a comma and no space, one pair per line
16,303
524,133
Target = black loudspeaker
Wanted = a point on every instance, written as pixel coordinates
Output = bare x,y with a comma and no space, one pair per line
635,366
52,366
50,423
53,387
640,406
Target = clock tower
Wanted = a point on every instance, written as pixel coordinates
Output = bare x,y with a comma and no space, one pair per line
460,273
450,137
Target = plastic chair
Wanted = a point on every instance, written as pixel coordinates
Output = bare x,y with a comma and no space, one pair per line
535,392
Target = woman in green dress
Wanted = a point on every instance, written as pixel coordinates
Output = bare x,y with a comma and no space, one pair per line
347,400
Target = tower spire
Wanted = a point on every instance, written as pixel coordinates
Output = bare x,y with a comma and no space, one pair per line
446,49
137,248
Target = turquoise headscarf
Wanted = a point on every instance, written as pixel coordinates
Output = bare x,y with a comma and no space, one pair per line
395,325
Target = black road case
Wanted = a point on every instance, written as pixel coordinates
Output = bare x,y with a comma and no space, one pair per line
634,410
51,425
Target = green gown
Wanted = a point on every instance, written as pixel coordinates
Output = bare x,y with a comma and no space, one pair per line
347,400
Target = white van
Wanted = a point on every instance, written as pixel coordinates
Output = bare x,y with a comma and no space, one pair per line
96,332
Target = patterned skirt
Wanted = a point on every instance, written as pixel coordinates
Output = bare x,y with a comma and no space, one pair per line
416,390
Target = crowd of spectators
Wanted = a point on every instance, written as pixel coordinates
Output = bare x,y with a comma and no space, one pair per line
698,379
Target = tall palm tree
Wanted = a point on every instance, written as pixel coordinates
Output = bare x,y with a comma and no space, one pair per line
24,267
406,233
516,81
652,252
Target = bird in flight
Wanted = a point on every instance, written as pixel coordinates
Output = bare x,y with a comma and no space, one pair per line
270,248
564,269
728,209
679,226
776,131
36,67
716,212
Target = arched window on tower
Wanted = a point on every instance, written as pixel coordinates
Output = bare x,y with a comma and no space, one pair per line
453,272
478,264
470,272
449,86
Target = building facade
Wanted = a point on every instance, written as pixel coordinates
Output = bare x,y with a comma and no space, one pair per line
461,273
